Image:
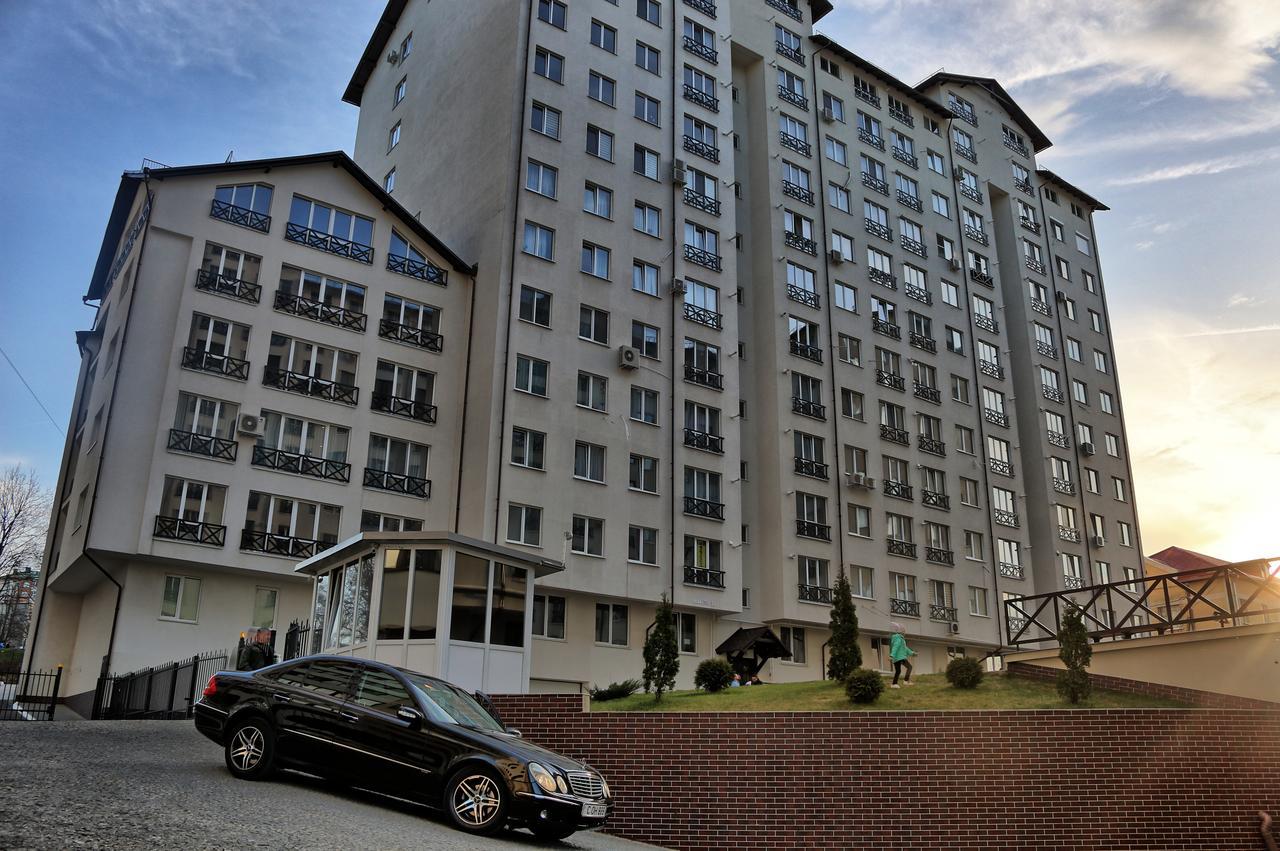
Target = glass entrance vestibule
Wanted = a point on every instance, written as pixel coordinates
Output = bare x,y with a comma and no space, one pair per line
435,602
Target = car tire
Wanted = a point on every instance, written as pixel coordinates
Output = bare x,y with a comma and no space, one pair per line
251,749
476,800
552,832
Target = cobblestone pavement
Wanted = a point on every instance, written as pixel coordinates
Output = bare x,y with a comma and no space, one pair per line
160,784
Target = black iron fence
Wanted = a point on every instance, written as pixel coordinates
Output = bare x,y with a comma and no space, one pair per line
30,695
160,692
301,639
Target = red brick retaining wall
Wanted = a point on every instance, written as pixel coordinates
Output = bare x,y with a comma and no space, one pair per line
1195,697
1081,779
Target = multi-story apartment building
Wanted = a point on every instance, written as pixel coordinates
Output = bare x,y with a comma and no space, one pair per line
748,311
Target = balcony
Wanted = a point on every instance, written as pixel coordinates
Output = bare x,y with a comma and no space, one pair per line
964,113
1058,439
704,440
202,444
1064,486
1047,350
909,608
702,149
995,417
906,199
976,234
1041,307
703,376
1009,570
809,408
706,7
708,205
967,153
701,98
1067,533
328,243
1024,186
867,97
1005,518
254,541
927,393
810,529
876,229
803,296
894,547
895,435
868,138
785,8
972,194
889,379
986,323
811,468
420,337
790,52
794,98
924,343
875,184
884,279
936,555
1053,394
795,190
946,614
703,576
800,243
1030,224
897,490
210,281
906,159
241,216
800,146
807,351
1072,582
815,594
702,257
991,370
979,276
318,311
1017,147
397,483
206,361
901,117
302,465
933,499
306,385
428,272
190,531
399,406
702,316
931,445
1000,468
1033,264
881,326
698,507
915,246
702,51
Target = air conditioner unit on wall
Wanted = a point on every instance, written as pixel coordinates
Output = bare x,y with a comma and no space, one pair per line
678,172
393,57
678,287
955,627
955,265
859,480
1086,448
250,425
828,114
628,357
837,256
1099,541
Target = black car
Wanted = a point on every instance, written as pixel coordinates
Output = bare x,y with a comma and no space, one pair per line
390,730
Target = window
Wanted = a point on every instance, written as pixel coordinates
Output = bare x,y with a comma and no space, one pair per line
960,389
326,219
645,162
836,151
814,572
790,83
859,520
1079,391
592,391
647,219
528,448
588,462
535,306
611,618
587,537
850,350
595,260
830,103
548,616
950,294
1100,361
393,137
839,197
1092,481
851,404
593,325
539,241
402,88
973,546
644,278
978,602
936,163
181,601
644,405
541,178
968,492
904,586
642,545
846,297
531,375
964,440
604,37
651,11
601,88
789,126
687,630
841,243
597,200
600,143
1118,486
548,64
828,66
1126,534
647,58
389,181
1107,401
1069,309
1055,227
941,205
793,639
645,339
647,109
1090,282
372,521
1073,347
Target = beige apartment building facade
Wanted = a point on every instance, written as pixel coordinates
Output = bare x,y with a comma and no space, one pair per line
746,311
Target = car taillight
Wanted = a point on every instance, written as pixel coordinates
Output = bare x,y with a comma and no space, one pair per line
212,688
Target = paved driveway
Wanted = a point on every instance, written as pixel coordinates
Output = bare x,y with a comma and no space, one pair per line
160,784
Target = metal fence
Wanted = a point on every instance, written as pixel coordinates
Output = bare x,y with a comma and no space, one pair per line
301,639
163,691
29,696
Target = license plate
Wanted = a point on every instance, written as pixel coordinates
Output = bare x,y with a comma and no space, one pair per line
594,810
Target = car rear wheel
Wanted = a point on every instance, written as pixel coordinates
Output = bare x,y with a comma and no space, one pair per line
552,832
476,800
251,749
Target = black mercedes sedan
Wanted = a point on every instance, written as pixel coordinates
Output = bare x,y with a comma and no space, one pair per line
399,732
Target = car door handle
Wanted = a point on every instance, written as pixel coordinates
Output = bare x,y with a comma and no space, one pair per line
281,698
349,717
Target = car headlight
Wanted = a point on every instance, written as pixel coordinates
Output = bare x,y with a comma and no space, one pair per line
542,777
561,785
604,785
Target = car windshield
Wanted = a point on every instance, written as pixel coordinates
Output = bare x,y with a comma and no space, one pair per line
448,705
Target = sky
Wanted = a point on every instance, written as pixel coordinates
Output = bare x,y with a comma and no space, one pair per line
1166,110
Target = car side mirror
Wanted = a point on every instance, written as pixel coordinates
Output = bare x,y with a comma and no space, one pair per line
411,716
513,731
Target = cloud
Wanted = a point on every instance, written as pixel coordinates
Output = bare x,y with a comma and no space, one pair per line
1196,168
1145,245
1242,300
1208,332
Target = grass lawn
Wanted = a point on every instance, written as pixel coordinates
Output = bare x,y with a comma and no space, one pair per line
931,691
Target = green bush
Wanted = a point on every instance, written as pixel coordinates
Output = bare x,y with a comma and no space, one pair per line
1075,653
613,691
713,675
863,685
963,672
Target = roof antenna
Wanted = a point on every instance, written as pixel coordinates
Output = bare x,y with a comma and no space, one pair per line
230,155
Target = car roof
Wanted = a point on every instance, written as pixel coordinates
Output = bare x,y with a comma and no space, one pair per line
371,663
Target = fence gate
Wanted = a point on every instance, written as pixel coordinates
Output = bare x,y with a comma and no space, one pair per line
29,696
164,691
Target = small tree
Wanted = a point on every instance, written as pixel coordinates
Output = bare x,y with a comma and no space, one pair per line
1075,652
863,686
713,675
964,672
661,653
846,655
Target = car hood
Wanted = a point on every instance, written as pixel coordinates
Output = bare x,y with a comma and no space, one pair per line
521,749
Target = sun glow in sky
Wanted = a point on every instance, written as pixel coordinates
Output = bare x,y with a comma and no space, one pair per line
1166,110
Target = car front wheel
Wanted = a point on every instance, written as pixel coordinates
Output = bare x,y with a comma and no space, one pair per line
476,799
251,749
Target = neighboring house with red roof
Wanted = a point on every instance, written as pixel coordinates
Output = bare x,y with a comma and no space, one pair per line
1193,569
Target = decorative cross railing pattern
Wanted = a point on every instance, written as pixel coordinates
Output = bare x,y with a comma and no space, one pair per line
328,242
240,216
191,531
302,465
414,336
428,272
214,282
704,576
181,440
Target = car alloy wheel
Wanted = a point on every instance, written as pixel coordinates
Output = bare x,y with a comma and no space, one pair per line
250,749
247,748
477,800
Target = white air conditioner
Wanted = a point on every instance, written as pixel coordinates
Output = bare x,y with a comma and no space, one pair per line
955,627
954,264
828,114
958,173
628,357
858,480
678,287
1086,448
1099,541
393,57
837,256
678,172
250,425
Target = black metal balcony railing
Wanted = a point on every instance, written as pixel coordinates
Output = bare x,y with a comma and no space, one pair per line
815,594
910,608
1041,307
867,97
986,323
937,555
809,408
924,343
901,117
420,337
934,499
793,98
1030,224
703,316
813,469
255,541
906,159
328,242
895,435
1033,264
931,445
1059,439
704,440
897,490
707,508
800,243
706,7
1001,468
207,445
972,194
906,199
708,205
214,282
240,216
991,370
800,146
302,465
1017,147
805,297
882,326
915,246
429,272
397,483
806,350
702,257
399,406
978,276
701,98
1064,486
703,376
889,379
190,531
976,234
1047,350
811,529
965,113
704,576
318,311
1009,570
1053,394
927,393
1068,533
702,149
788,51
1024,186
1005,518
867,137
702,51
967,153
995,417
894,547
884,279
875,184
307,385
947,614
786,8
876,229
206,361
1072,582
795,190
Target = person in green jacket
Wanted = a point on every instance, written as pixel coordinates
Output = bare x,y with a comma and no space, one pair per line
901,655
